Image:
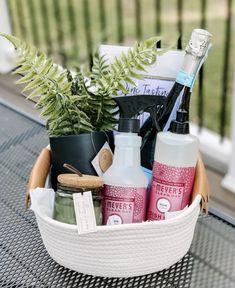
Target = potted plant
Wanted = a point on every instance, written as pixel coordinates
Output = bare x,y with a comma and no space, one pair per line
79,110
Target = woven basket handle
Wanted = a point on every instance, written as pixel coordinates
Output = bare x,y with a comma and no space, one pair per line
39,173
201,185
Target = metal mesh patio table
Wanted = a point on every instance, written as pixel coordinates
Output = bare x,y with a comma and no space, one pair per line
24,262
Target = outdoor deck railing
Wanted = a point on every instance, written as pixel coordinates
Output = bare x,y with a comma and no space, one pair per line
43,23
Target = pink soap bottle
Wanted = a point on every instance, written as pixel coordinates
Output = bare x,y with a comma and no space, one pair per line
174,166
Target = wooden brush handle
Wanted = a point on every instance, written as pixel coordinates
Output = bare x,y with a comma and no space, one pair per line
39,172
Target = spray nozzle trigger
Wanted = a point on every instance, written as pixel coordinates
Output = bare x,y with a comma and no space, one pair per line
133,106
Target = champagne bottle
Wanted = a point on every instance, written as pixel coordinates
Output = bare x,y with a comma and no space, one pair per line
195,55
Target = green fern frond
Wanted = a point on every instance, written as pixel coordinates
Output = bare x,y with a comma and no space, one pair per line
27,78
48,81
100,66
37,67
70,102
32,85
14,40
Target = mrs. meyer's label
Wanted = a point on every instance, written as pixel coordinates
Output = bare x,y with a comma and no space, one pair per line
170,190
123,205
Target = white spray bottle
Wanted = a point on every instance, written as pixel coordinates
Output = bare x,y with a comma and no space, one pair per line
125,192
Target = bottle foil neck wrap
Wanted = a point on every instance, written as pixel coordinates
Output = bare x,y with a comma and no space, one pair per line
199,43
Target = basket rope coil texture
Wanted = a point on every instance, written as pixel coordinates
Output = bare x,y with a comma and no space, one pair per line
125,251
24,261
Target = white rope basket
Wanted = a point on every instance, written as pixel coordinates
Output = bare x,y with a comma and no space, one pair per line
120,250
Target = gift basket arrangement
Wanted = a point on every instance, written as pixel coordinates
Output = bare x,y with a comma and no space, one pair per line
114,197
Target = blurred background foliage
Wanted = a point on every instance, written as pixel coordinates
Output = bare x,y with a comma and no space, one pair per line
71,30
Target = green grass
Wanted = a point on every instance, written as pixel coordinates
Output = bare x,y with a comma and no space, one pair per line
215,23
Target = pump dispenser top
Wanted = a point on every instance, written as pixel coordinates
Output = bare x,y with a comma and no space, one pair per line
181,124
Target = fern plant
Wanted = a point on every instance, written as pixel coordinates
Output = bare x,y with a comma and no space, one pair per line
71,102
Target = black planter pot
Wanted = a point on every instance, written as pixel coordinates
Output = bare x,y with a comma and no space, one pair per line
77,150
